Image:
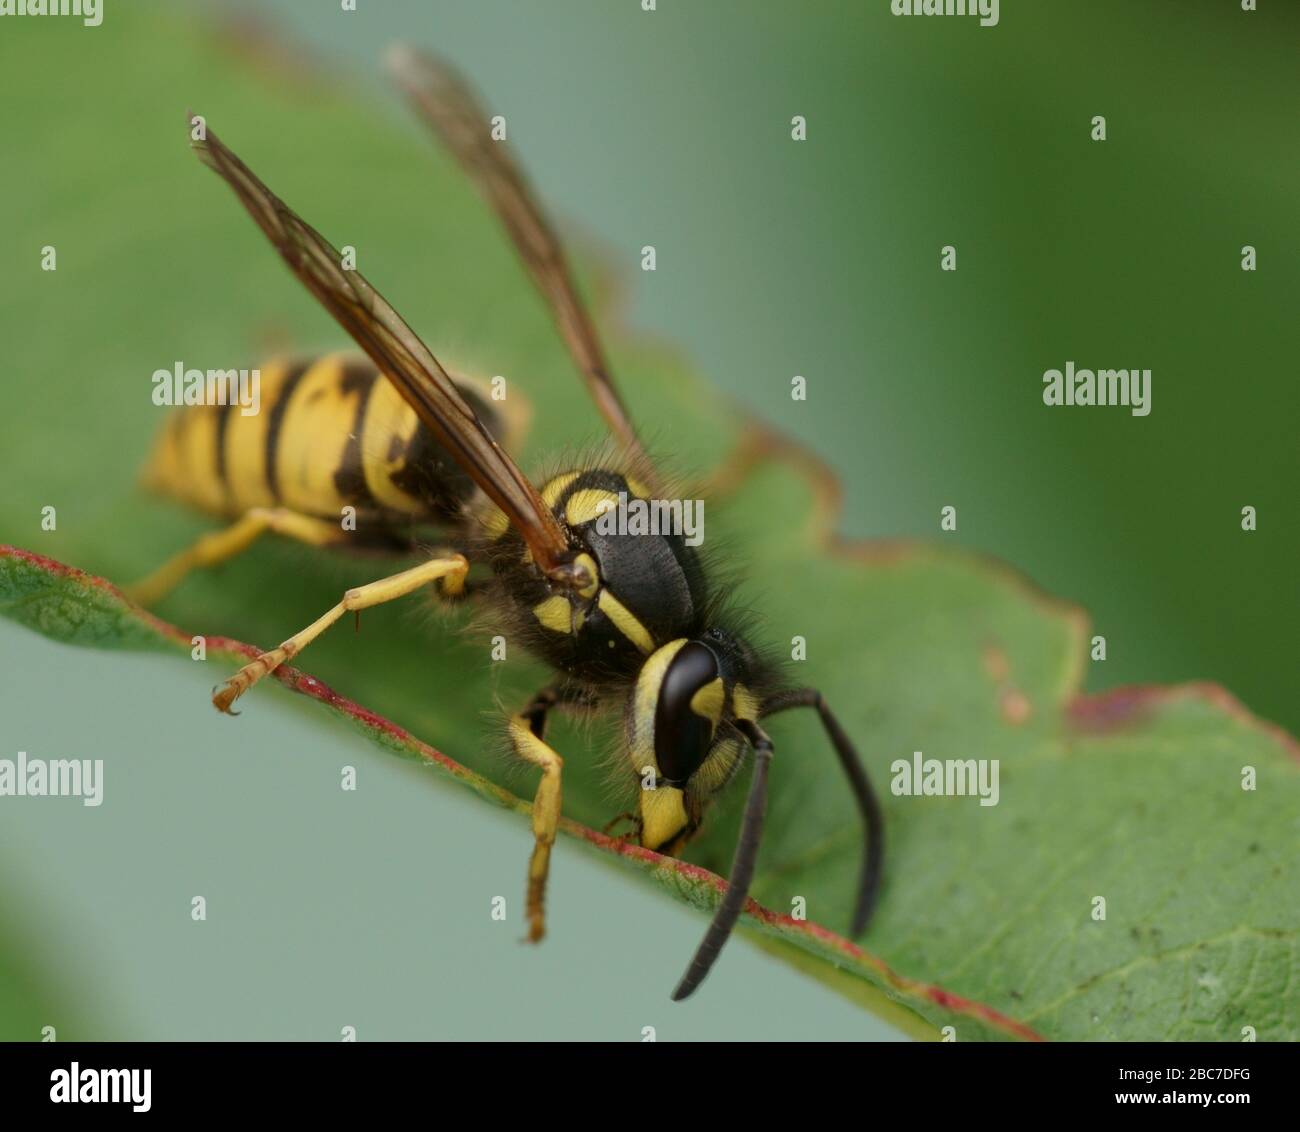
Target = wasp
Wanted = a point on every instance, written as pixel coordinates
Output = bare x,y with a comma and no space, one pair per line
635,622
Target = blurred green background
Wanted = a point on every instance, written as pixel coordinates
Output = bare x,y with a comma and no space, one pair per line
671,128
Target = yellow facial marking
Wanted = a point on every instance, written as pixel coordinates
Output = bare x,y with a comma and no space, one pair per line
555,614
625,623
663,816
588,504
555,488
642,746
744,703
637,488
707,702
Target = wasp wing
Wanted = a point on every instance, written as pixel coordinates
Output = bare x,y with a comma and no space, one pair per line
397,351
443,98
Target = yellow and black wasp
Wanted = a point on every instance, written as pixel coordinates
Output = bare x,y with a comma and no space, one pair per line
624,619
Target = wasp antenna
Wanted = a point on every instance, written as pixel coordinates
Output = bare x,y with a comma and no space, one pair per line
742,867
873,846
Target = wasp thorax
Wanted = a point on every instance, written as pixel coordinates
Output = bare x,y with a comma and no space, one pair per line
638,591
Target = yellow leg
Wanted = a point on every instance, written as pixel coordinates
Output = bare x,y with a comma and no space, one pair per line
218,546
452,568
546,817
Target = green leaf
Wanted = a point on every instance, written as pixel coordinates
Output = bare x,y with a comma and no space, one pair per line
69,605
1107,797
985,923
29,1002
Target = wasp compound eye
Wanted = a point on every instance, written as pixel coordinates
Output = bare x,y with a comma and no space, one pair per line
689,707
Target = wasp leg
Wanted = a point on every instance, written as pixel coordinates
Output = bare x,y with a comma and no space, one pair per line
450,568
634,827
526,731
219,546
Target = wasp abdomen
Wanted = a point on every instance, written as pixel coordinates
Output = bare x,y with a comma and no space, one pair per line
328,433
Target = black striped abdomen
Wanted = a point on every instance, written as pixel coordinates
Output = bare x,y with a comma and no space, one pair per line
329,433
